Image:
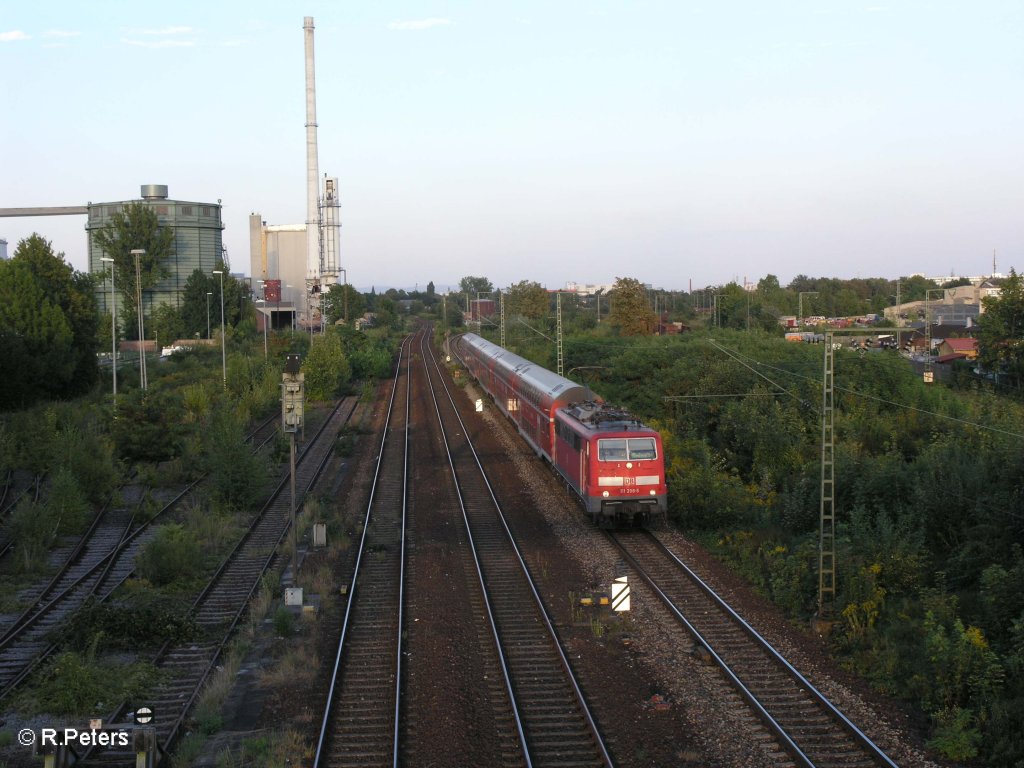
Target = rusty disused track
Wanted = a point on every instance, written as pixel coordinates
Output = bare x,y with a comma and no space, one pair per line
103,559
9,502
809,727
222,604
554,722
360,722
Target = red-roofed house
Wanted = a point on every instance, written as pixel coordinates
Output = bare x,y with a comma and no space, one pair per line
966,347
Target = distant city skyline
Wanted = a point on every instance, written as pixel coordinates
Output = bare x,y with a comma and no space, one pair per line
672,142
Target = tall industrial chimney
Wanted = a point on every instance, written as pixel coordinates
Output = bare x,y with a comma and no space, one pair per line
312,163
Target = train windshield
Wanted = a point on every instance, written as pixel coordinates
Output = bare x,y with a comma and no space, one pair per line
622,449
642,448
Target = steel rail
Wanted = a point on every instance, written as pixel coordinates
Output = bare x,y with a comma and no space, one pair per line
875,752
29,616
318,759
542,609
8,481
244,603
25,619
122,710
8,511
491,618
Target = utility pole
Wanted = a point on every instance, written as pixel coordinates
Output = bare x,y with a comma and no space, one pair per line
501,306
558,327
800,306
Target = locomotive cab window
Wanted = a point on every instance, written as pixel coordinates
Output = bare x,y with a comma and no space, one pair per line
621,449
611,450
642,448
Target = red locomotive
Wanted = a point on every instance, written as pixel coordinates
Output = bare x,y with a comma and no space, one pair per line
612,461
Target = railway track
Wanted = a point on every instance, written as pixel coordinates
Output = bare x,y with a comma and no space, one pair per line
361,714
91,569
223,602
9,502
553,721
805,724
102,560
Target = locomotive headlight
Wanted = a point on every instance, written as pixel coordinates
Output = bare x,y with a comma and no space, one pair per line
654,493
606,494
629,465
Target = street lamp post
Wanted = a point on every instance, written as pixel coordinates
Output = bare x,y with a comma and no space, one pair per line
223,335
137,252
113,328
263,301
344,273
209,333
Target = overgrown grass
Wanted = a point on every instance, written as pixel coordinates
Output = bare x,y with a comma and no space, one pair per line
207,715
83,684
275,749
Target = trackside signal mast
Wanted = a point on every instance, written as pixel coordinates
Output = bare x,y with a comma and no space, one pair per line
292,420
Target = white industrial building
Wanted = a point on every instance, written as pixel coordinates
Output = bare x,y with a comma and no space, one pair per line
295,263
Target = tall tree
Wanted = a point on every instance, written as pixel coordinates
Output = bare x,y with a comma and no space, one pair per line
136,227
167,324
342,299
236,292
475,285
1001,330
195,316
528,299
48,326
631,311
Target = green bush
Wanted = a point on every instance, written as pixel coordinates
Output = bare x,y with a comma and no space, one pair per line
76,685
172,555
956,736
326,368
67,504
138,620
235,473
85,449
371,362
33,530
346,443
149,425
284,622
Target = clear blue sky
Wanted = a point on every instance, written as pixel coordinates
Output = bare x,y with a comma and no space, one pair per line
549,141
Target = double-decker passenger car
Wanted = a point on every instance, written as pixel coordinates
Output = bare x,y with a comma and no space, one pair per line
611,460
